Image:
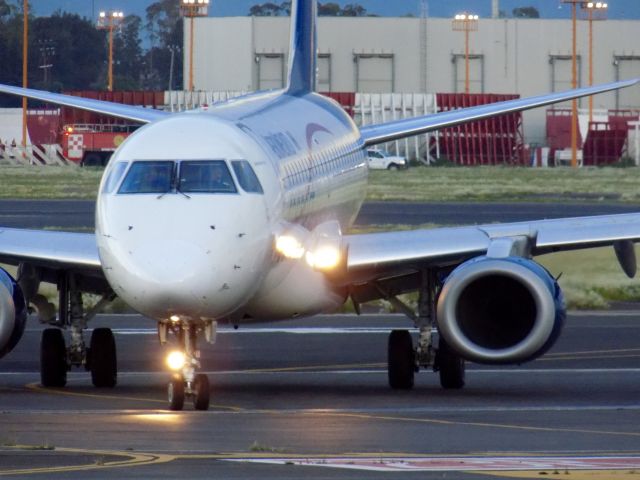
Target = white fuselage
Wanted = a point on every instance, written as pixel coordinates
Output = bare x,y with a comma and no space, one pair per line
210,256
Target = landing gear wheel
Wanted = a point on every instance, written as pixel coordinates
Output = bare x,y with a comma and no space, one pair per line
201,392
53,359
400,360
451,367
175,394
103,362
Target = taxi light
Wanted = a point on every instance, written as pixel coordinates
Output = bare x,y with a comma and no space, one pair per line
176,360
324,258
69,129
174,318
289,246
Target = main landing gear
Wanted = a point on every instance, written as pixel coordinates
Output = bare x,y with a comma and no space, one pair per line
56,358
431,351
186,383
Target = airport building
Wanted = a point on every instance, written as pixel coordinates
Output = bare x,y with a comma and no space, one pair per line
422,55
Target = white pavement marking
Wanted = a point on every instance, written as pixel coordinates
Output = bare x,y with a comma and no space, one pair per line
458,464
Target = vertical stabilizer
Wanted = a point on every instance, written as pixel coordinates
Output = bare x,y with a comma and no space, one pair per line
303,49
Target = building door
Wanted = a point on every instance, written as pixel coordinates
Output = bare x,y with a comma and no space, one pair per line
627,67
270,70
374,73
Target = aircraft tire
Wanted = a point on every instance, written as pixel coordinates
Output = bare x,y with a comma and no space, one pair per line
103,359
451,367
53,358
400,360
201,392
175,394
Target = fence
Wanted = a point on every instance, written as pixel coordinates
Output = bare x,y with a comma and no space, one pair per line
34,155
372,108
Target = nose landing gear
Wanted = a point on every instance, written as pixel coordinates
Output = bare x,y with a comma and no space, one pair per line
186,383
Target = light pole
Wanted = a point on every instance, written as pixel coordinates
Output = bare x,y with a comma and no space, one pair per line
574,79
465,22
110,21
191,9
601,9
25,56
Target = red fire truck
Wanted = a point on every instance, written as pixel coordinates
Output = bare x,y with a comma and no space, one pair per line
93,144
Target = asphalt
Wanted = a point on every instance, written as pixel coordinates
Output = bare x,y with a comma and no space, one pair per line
79,214
309,398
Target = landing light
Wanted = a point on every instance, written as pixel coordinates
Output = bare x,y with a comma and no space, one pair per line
174,318
289,246
176,360
324,258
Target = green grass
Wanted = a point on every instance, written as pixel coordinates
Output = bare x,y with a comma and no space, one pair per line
590,278
494,184
418,184
51,182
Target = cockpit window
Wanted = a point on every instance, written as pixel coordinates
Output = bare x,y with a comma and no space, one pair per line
148,177
246,176
114,177
205,176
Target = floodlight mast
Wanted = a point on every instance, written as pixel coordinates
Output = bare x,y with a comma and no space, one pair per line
110,21
191,9
465,22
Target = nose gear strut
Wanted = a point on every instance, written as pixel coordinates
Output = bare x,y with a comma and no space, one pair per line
187,383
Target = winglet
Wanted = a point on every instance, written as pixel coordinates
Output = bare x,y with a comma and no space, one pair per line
302,51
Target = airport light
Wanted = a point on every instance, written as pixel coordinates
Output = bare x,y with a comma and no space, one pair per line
25,56
574,78
191,9
465,22
110,21
595,11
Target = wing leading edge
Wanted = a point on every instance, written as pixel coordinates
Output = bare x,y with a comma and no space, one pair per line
385,132
127,112
373,255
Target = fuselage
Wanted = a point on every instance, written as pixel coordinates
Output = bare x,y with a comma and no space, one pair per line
190,250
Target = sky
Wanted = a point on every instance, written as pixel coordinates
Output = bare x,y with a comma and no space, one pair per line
618,9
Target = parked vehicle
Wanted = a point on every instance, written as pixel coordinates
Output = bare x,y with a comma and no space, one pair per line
381,160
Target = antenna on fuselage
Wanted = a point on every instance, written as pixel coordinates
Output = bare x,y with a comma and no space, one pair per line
301,76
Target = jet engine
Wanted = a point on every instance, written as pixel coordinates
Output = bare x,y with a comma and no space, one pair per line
13,313
500,310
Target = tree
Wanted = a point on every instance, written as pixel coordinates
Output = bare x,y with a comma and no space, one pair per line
165,27
353,10
128,53
270,9
526,12
79,52
329,9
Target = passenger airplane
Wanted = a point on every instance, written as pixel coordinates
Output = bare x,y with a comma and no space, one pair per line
243,222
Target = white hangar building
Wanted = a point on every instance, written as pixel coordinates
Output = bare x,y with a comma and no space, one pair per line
412,55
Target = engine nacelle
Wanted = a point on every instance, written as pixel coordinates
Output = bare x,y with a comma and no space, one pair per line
13,313
500,310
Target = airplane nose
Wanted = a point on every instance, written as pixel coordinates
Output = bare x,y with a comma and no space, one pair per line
202,259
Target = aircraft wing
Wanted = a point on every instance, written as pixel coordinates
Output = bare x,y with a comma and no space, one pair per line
379,255
385,132
49,249
127,112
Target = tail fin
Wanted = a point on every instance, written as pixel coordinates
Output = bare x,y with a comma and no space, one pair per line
302,51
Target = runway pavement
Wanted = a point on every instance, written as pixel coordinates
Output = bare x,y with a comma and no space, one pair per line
309,398
78,214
